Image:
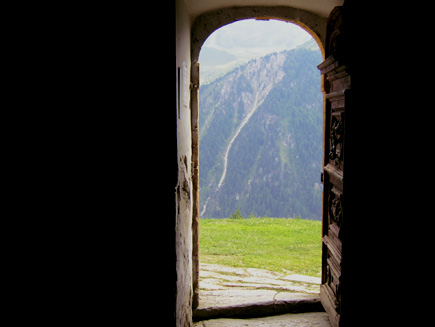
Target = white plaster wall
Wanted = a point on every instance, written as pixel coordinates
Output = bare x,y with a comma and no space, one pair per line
184,186
318,7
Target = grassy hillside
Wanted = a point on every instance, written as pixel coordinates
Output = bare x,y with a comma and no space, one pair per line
267,243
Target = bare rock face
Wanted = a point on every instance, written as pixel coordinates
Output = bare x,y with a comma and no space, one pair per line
259,78
260,139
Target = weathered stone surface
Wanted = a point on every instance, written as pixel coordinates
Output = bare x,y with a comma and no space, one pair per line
225,269
261,273
218,277
253,303
234,303
296,302
234,297
228,292
302,278
285,287
284,296
212,284
315,319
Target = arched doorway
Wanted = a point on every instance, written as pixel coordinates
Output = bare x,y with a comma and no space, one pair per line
202,27
336,94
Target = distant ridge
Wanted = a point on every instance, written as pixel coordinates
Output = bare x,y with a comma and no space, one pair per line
228,51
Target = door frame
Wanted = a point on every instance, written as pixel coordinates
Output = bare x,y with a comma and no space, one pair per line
202,27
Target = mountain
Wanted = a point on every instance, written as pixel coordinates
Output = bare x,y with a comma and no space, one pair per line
261,138
235,44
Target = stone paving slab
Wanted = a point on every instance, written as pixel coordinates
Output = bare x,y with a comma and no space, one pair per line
234,297
302,278
238,303
286,287
314,319
218,277
221,268
227,292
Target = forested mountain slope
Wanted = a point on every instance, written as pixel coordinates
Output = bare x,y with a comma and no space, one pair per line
261,138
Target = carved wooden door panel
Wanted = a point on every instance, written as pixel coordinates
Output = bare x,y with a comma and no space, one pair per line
336,87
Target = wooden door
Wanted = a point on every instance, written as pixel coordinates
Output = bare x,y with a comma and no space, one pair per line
337,92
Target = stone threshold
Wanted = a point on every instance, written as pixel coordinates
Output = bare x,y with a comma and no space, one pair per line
253,304
312,319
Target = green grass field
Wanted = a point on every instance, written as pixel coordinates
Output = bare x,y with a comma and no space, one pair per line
268,243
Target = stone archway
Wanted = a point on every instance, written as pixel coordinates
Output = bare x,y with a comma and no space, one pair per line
202,27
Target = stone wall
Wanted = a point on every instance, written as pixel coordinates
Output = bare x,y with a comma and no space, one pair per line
184,185
187,85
